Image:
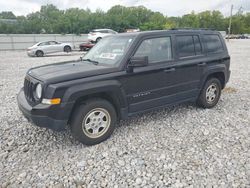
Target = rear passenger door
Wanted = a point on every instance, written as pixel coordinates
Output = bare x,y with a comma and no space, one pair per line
190,64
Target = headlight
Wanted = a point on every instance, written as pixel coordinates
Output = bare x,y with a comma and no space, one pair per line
38,91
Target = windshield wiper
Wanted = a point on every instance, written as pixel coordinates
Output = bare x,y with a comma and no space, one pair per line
92,61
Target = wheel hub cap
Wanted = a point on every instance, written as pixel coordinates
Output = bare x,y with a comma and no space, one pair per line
96,123
211,93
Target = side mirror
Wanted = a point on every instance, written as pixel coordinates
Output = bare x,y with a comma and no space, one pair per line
138,61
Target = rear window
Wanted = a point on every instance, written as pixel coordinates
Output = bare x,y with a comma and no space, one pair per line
213,43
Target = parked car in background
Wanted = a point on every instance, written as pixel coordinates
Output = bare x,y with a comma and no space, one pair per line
240,36
132,30
97,34
231,36
243,36
223,34
86,46
41,48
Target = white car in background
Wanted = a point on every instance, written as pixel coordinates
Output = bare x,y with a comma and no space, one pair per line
41,48
97,34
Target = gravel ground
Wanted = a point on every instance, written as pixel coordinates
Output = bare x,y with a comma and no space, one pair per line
182,146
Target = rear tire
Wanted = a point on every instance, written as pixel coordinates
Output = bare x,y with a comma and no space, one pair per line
67,49
39,53
210,94
94,121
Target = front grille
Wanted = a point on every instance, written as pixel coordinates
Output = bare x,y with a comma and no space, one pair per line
28,90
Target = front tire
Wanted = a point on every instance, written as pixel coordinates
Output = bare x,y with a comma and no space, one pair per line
67,49
94,121
210,93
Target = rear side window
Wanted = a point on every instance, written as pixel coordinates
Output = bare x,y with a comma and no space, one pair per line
213,43
185,45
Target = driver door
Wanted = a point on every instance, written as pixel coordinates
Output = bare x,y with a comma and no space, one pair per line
151,86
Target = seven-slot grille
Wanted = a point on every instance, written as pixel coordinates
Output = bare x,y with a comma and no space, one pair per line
28,90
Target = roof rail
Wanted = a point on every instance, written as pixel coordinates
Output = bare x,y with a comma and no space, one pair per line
190,28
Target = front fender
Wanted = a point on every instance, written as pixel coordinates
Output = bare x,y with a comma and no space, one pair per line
108,86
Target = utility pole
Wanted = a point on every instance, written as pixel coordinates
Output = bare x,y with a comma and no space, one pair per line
230,23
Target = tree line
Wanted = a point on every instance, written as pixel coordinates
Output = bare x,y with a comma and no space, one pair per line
119,18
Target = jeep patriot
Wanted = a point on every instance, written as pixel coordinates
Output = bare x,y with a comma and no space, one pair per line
123,75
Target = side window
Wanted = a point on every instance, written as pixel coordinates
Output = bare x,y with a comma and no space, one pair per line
197,45
44,44
157,49
103,31
213,43
110,31
52,43
185,46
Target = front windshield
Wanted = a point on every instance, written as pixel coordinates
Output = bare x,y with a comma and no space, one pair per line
110,50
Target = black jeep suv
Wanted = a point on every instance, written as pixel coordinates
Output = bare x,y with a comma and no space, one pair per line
124,75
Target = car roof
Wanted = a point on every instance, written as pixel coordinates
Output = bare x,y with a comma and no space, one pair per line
47,41
171,31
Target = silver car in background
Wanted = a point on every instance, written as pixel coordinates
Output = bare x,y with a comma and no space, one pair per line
41,48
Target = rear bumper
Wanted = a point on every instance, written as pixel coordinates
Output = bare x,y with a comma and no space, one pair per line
37,114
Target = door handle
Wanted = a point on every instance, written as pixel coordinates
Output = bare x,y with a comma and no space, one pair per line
202,64
169,70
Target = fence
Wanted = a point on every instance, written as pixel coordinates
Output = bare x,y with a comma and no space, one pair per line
23,41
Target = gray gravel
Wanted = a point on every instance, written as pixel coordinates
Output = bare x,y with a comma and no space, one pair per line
182,146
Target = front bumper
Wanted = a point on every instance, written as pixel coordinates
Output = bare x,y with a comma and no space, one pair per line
38,114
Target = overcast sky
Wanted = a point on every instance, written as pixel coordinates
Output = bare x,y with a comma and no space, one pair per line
167,7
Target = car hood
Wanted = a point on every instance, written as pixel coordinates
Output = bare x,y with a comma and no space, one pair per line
69,70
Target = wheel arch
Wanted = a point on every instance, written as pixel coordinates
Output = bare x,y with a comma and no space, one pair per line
39,50
112,93
105,95
64,48
218,72
220,76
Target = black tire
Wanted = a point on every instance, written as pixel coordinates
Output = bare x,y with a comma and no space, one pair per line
210,94
98,39
81,48
88,112
67,49
39,53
